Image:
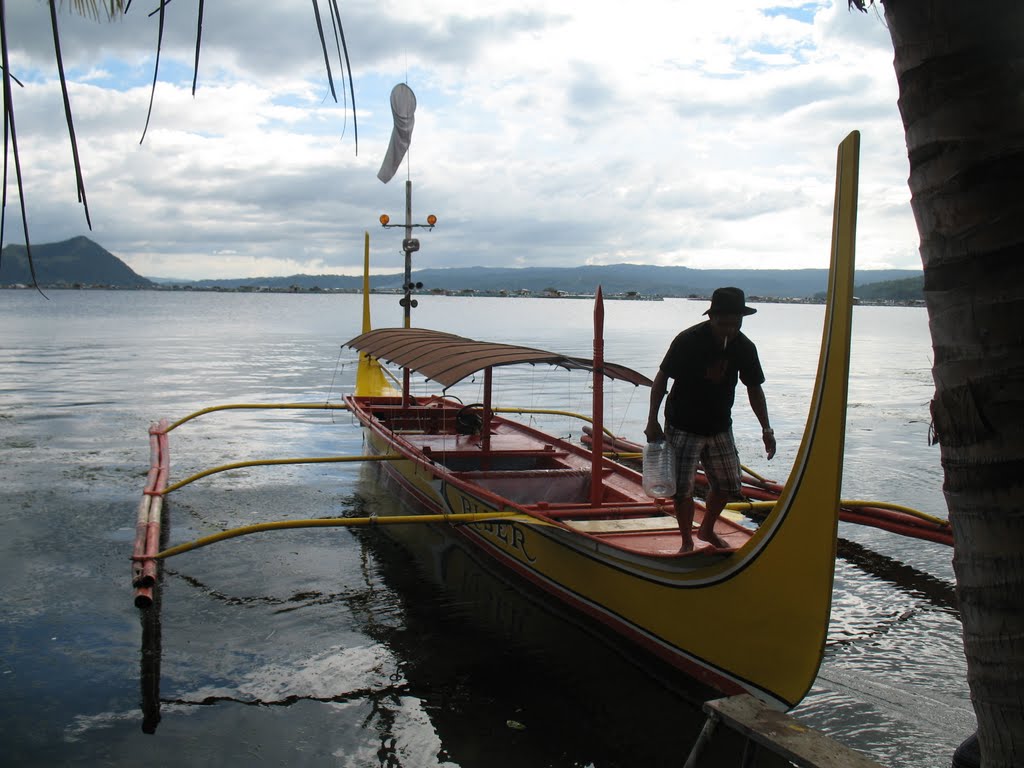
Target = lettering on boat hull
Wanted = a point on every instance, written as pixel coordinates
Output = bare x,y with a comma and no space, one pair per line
507,536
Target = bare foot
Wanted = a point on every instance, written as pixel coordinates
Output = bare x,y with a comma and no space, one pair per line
713,539
687,545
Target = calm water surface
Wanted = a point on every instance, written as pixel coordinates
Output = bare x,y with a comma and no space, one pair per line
337,647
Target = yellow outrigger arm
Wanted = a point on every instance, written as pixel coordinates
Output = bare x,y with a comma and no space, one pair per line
276,462
320,459
335,522
257,406
767,506
556,412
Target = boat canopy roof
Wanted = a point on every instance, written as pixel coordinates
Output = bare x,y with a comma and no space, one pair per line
448,359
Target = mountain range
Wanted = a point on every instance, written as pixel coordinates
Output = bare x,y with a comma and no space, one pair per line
81,262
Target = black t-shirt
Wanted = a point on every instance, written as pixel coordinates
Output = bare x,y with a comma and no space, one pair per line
704,379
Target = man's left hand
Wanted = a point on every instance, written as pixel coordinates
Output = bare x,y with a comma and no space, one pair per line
769,443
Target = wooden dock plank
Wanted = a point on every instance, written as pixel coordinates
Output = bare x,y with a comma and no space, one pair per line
785,735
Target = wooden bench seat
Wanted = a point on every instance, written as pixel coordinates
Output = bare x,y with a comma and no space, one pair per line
625,525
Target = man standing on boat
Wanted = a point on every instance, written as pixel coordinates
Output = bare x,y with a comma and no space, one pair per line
704,362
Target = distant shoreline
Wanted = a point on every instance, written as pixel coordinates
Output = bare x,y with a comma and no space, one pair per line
461,294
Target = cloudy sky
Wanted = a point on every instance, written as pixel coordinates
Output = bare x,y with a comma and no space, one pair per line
548,133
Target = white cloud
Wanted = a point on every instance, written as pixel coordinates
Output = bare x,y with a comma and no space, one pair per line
552,133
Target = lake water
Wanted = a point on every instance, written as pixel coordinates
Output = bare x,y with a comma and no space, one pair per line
337,647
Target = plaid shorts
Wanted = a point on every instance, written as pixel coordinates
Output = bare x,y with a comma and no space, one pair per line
716,452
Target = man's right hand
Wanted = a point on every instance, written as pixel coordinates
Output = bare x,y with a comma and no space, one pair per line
654,432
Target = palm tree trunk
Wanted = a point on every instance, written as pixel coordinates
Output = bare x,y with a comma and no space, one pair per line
960,68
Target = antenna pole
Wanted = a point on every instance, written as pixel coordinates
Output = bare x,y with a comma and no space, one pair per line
409,246
408,252
407,283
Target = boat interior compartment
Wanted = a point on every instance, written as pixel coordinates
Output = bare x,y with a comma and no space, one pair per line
511,462
505,451
497,461
533,485
432,417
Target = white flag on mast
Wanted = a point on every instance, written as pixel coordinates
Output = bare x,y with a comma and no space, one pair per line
403,108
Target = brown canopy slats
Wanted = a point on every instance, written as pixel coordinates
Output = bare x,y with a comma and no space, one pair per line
448,359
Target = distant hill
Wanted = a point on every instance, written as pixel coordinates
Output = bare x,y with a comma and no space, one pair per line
290,282
910,289
75,262
907,290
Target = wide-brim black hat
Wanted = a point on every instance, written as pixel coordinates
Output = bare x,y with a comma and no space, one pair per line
729,301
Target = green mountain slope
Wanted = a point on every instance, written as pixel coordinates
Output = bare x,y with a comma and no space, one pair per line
78,261
910,289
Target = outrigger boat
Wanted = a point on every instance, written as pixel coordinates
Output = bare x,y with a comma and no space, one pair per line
750,617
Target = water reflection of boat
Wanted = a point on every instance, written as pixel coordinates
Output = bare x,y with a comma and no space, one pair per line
478,647
149,674
907,578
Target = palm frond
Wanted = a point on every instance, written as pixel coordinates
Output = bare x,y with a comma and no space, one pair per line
79,179
156,65
92,8
11,140
340,30
323,45
199,38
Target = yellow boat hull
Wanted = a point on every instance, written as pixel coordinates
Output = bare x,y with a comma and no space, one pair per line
753,620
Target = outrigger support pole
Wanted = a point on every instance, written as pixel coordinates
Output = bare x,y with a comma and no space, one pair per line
597,446
485,438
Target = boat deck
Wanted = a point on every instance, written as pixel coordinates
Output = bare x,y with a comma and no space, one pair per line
551,478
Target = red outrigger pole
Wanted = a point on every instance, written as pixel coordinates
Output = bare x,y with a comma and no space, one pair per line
148,524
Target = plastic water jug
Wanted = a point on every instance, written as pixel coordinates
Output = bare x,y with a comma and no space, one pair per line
659,470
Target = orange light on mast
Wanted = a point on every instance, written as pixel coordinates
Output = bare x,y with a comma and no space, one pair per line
384,219
431,219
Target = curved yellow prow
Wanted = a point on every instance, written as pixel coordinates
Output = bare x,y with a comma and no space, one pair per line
370,380
795,548
775,593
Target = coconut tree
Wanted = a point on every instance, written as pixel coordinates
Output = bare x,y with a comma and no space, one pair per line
960,68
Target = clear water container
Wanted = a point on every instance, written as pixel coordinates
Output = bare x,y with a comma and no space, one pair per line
659,470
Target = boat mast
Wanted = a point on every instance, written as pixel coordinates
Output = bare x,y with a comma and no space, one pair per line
407,300
407,247
410,245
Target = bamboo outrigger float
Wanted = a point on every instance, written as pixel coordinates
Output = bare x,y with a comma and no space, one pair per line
751,617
